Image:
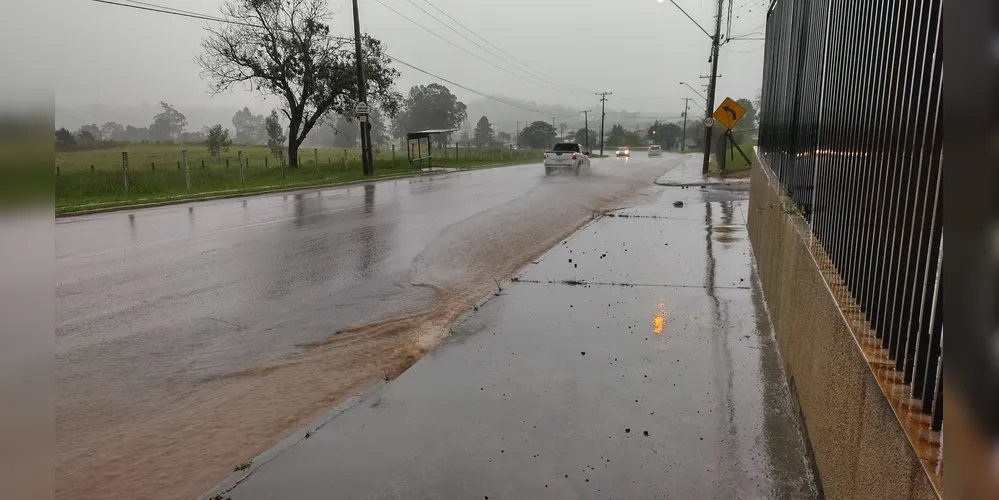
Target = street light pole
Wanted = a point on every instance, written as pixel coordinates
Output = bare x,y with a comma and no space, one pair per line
694,90
686,106
586,129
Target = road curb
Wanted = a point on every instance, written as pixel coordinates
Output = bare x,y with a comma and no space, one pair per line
165,203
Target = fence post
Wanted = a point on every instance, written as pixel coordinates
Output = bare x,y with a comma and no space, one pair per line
226,164
124,168
242,177
91,169
316,153
187,170
58,172
178,165
153,165
266,163
283,174
344,159
202,164
393,157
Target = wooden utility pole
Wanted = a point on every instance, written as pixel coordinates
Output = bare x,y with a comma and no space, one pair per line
586,129
187,170
242,176
124,169
603,114
712,86
367,163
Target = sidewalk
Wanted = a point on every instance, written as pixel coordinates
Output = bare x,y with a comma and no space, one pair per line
635,360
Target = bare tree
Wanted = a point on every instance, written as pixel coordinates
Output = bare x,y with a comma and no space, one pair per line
284,48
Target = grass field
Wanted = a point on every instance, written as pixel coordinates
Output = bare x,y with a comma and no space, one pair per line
737,166
94,179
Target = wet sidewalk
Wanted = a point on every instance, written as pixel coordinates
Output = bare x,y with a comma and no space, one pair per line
635,360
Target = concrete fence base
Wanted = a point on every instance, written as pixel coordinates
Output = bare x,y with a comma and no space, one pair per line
861,447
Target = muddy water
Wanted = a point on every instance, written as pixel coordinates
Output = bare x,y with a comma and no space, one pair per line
183,438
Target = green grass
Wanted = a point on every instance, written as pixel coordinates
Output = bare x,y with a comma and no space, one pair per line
738,166
94,179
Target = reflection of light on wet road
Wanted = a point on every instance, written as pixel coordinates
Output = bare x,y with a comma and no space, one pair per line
659,322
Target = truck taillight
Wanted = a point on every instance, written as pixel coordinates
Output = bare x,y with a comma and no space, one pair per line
545,156
574,156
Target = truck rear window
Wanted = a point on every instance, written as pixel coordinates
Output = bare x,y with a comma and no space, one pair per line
565,146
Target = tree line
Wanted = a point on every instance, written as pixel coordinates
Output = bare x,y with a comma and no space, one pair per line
285,49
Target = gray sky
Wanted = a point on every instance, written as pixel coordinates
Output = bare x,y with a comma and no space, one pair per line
638,49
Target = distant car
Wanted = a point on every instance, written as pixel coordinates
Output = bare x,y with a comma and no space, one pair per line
567,156
624,152
655,150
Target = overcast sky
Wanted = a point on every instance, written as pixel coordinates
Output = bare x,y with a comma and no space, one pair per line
637,49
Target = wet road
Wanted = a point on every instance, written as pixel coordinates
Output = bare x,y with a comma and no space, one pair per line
191,337
635,360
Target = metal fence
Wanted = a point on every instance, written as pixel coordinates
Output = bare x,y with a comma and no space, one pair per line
850,124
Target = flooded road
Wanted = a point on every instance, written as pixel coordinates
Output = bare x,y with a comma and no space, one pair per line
192,337
634,360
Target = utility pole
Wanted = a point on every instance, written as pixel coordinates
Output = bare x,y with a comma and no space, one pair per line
603,114
517,139
554,132
686,106
586,129
712,86
367,164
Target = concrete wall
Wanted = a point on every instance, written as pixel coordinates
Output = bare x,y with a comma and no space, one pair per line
861,450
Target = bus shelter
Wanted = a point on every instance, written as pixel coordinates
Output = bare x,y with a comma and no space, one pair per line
420,145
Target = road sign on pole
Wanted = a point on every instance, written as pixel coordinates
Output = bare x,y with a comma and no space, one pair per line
363,109
709,121
729,113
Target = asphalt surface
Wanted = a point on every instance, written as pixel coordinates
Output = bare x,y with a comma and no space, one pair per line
635,360
181,331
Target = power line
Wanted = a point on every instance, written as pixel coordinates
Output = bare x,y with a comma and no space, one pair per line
459,47
151,7
643,98
691,19
554,80
750,51
750,6
448,26
487,96
166,10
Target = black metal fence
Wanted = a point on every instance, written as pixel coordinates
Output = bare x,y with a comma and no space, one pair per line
850,124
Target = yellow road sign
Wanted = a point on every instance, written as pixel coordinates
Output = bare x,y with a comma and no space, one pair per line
729,113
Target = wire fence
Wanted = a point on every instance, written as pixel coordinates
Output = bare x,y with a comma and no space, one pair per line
147,172
850,125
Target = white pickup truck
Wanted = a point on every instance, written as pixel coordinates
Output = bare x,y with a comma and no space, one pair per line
567,156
